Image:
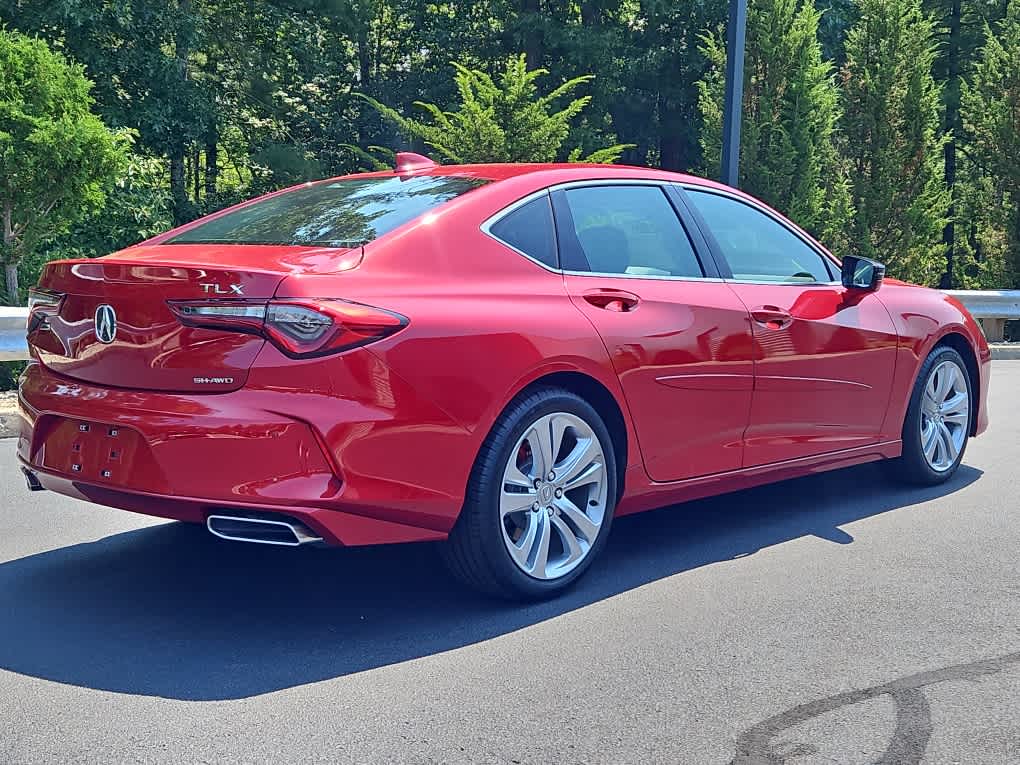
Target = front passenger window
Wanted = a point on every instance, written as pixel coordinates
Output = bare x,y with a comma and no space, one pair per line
757,247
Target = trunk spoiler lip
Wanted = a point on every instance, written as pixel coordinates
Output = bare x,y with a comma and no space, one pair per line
286,260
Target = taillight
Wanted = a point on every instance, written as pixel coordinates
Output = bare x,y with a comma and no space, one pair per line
301,328
42,303
235,316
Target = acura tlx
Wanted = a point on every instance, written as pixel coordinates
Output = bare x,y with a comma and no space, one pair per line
500,358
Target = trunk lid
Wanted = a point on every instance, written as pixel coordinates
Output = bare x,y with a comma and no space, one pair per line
115,328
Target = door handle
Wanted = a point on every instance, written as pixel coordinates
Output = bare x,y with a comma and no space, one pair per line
772,317
619,301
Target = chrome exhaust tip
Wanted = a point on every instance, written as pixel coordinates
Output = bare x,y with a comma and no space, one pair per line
32,480
284,532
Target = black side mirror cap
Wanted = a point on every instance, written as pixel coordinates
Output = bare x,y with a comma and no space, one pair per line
862,273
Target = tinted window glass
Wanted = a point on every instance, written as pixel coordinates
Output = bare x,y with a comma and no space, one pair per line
630,230
757,247
345,213
529,229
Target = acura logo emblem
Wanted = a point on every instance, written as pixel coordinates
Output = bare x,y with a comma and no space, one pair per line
106,323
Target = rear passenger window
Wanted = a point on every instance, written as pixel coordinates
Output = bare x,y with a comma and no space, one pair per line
529,229
631,230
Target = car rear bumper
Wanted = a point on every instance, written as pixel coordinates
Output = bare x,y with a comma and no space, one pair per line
335,527
188,456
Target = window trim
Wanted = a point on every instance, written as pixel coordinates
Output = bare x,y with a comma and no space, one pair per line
830,262
699,243
492,220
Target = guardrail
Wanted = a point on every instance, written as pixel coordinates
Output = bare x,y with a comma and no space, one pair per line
12,334
993,308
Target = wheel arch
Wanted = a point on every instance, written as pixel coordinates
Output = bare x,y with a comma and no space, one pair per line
601,399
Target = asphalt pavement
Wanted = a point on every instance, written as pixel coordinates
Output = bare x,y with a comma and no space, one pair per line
832,619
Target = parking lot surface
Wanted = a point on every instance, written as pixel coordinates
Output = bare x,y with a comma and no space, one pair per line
837,618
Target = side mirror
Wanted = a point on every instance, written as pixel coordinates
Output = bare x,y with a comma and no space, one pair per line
862,274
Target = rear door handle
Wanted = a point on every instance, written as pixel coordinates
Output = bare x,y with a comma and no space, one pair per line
619,301
772,317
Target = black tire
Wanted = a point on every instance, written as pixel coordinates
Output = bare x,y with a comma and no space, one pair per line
912,467
475,552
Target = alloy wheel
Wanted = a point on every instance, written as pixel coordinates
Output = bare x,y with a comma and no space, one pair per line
945,416
553,496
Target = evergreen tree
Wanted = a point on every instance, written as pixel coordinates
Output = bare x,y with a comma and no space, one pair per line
501,120
991,117
959,34
891,127
790,112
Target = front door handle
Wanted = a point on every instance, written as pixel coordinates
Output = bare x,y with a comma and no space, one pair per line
772,317
619,301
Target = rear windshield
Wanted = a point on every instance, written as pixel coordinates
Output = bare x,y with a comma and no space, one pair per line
345,213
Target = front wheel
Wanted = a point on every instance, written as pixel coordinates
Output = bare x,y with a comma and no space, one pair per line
540,499
938,421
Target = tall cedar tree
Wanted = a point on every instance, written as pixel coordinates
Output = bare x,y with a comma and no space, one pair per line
891,127
991,117
960,31
790,112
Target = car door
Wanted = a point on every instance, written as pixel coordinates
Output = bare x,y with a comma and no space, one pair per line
678,337
824,355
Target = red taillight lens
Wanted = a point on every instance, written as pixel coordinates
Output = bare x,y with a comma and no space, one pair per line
317,327
42,303
300,328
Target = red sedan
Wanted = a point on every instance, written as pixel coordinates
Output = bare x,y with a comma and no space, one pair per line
503,357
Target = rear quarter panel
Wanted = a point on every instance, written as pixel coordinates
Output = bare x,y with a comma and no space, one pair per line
484,322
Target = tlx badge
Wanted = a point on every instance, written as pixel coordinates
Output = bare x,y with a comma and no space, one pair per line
216,289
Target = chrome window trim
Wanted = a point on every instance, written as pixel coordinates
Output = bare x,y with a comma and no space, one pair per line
655,277
487,224
825,256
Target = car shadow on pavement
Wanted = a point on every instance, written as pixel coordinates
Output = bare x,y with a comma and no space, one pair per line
171,611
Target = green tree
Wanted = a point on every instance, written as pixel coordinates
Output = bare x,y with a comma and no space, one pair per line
504,120
837,16
138,205
891,126
959,31
991,118
656,102
56,157
790,113
142,56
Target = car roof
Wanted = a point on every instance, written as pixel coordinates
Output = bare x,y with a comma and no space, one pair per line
555,172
